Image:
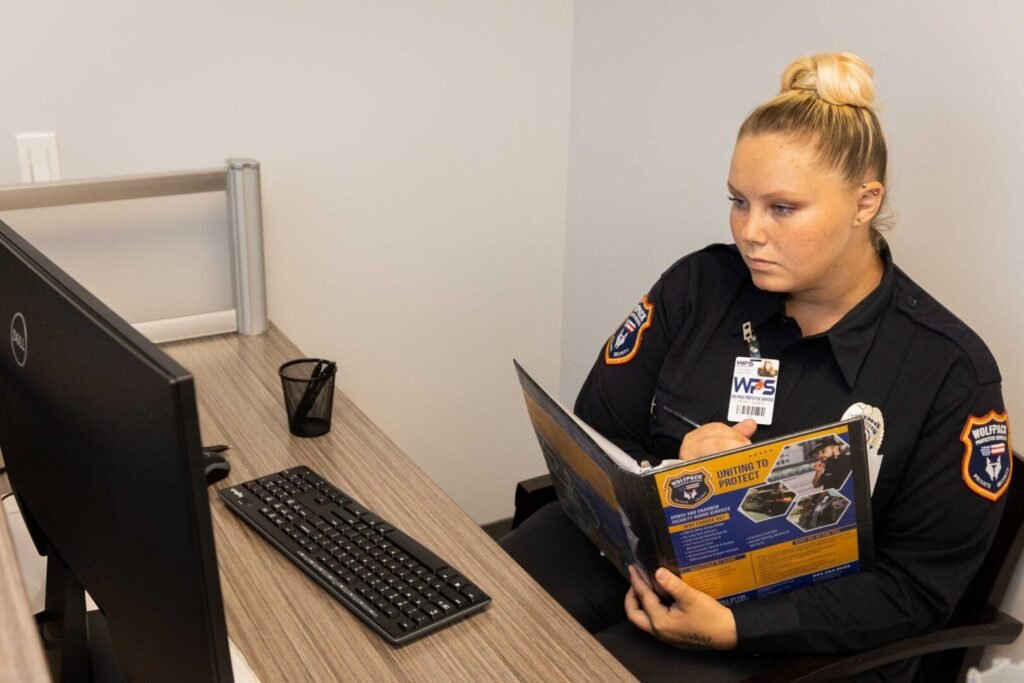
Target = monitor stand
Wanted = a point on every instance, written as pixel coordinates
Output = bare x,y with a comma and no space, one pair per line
77,644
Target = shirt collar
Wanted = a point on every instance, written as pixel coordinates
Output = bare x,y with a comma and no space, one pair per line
850,339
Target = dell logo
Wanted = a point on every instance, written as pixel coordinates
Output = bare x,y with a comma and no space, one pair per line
19,339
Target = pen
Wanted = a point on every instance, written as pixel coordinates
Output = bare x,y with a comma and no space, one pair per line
321,371
681,417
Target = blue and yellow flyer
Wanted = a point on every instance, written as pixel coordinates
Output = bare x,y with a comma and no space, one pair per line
768,518
739,525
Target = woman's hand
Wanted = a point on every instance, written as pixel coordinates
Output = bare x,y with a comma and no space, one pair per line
695,620
715,437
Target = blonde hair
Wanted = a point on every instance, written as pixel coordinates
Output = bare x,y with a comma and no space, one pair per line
829,99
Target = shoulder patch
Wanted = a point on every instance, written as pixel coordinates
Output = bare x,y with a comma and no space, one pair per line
988,458
624,344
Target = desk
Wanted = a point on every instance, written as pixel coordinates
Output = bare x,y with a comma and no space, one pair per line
21,650
291,630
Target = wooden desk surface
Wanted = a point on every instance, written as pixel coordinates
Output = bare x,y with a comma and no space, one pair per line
287,627
21,650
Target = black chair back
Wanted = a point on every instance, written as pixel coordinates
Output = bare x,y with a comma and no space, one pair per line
987,589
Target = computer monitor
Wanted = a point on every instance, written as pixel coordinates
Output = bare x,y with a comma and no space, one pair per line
100,436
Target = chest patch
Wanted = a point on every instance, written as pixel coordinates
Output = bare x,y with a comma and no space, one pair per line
624,344
988,460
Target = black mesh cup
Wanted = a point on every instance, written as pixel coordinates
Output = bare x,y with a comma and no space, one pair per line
308,385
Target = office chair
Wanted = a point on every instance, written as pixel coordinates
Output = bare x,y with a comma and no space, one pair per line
946,654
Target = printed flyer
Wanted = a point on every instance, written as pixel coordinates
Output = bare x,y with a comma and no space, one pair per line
738,525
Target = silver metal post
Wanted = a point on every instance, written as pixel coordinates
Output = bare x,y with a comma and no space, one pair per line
246,227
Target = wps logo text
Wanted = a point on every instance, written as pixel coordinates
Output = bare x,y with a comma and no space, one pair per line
754,385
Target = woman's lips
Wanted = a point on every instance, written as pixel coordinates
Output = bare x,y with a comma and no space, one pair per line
758,263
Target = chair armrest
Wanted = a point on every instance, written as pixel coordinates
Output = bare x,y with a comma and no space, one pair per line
983,629
532,495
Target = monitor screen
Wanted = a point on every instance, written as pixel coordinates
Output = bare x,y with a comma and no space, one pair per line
100,436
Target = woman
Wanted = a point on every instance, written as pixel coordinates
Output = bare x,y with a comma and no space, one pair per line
809,284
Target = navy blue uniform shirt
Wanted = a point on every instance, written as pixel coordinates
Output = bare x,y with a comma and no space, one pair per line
898,350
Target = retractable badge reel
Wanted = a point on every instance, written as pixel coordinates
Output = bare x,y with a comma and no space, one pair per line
755,383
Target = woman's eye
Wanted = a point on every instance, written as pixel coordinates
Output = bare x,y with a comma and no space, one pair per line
737,202
783,209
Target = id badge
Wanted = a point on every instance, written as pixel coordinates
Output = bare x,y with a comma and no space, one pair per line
755,383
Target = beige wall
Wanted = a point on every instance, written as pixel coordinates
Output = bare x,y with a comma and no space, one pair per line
414,165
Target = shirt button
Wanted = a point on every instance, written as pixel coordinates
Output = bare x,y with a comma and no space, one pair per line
912,301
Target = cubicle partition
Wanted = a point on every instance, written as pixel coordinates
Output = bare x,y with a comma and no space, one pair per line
239,179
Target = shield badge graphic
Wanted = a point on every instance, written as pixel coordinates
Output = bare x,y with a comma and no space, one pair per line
689,488
988,460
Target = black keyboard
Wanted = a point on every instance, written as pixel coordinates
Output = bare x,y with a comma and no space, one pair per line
387,579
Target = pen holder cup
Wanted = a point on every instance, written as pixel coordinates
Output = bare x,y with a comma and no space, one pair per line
308,385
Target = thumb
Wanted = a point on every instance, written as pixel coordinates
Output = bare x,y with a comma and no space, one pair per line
676,587
746,427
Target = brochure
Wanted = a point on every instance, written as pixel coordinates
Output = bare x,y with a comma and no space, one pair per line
738,525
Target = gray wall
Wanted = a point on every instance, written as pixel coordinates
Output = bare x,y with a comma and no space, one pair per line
659,89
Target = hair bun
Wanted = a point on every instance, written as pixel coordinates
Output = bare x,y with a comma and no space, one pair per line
840,78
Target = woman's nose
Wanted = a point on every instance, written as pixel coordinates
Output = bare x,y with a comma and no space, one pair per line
752,228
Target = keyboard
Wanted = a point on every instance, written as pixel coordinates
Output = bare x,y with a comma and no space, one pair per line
397,587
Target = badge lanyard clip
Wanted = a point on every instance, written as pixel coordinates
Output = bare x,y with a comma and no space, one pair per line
752,343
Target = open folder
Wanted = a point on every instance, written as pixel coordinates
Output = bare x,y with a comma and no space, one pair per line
738,525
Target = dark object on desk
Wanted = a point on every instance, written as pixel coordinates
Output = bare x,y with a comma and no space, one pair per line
946,654
215,465
308,385
395,585
100,434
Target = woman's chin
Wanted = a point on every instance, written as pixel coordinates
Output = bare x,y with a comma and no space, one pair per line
769,282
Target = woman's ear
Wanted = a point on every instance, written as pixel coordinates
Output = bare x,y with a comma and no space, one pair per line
869,201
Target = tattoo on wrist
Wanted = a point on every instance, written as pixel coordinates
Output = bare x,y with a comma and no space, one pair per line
694,640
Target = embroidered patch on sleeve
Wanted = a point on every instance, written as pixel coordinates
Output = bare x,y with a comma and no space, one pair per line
988,460
624,344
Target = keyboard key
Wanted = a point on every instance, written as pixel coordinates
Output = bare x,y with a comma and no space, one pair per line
372,519
456,599
473,593
413,548
356,509
344,516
